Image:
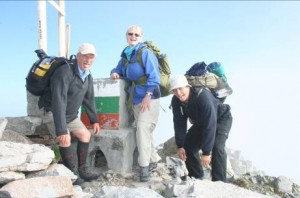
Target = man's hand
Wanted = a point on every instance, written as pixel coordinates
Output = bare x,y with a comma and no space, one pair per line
96,127
181,153
205,160
64,140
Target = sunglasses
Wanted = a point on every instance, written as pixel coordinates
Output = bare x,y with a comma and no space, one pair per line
135,34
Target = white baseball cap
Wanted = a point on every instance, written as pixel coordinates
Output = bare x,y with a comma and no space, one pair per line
87,48
178,81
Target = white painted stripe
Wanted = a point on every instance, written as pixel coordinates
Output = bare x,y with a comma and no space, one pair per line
106,87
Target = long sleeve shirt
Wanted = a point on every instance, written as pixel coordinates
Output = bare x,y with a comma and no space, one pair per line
202,111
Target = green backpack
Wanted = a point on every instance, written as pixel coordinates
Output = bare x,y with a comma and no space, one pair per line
164,67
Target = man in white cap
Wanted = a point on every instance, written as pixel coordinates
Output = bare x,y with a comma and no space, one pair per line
211,122
72,86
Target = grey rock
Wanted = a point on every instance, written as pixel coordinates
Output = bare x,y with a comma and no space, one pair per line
124,192
54,170
12,136
23,125
52,186
6,177
3,123
284,185
24,157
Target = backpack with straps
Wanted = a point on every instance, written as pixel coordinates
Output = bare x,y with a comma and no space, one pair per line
164,67
211,76
38,77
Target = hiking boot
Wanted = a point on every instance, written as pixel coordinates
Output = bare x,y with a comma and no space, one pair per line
144,174
152,167
86,174
74,170
78,181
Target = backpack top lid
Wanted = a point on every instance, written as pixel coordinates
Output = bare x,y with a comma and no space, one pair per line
41,54
198,69
153,47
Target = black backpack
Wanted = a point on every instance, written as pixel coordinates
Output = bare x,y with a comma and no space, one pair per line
38,77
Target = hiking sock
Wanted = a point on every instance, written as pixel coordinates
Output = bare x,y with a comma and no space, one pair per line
68,158
82,153
83,169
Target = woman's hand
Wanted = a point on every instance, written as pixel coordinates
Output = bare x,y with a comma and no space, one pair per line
115,76
146,102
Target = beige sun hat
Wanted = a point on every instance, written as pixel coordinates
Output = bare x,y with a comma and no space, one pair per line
87,48
177,82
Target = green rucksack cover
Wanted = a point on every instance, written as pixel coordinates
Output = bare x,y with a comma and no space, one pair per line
163,63
164,68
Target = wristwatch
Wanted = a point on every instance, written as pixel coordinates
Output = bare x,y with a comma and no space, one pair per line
149,93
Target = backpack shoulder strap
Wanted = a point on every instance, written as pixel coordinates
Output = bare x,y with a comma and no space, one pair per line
139,55
138,58
200,89
72,57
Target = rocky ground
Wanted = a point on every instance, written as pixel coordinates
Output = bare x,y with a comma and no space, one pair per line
164,181
164,175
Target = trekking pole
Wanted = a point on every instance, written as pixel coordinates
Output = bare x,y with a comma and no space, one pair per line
162,108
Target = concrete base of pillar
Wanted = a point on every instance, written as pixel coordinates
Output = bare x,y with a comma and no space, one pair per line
118,147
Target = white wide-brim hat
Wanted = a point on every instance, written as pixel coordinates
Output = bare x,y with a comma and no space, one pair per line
178,82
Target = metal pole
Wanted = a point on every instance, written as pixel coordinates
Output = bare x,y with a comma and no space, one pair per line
68,31
61,29
57,7
42,25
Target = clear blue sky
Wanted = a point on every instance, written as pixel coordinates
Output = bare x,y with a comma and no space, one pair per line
257,42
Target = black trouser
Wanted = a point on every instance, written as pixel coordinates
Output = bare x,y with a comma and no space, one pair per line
192,146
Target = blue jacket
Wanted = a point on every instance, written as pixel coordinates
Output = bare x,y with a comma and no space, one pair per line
134,71
203,111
